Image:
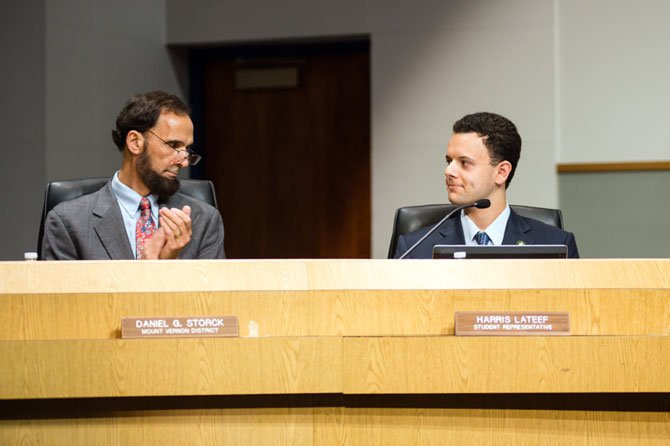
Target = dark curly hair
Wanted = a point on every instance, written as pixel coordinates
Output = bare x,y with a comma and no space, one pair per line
500,137
142,111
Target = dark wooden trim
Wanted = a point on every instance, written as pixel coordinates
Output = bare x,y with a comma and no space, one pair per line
110,407
642,166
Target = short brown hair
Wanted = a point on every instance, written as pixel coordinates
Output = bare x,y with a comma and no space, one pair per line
500,137
142,111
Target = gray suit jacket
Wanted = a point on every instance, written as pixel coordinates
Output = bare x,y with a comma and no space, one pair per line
91,228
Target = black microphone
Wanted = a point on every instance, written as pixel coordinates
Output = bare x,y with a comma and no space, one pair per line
479,204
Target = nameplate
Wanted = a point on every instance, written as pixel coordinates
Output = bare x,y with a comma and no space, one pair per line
490,323
179,327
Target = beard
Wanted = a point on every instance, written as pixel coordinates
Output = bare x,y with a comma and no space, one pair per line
160,186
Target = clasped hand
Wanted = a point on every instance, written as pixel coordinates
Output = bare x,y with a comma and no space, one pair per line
173,234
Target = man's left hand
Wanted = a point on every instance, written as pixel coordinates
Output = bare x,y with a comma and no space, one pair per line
176,225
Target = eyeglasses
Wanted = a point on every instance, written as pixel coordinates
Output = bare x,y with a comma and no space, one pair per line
192,157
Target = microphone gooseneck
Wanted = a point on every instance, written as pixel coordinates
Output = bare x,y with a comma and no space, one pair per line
479,204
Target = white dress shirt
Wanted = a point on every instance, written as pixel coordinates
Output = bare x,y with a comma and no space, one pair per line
495,231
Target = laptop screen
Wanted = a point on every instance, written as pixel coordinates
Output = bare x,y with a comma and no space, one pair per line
500,252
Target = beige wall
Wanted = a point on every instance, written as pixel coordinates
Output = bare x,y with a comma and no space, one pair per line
432,62
583,81
613,73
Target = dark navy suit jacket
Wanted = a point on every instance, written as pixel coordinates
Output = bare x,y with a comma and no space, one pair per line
519,229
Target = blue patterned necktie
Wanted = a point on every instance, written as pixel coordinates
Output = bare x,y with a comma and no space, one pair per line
482,238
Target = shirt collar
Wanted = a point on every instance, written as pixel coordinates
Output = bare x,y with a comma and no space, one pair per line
129,200
495,231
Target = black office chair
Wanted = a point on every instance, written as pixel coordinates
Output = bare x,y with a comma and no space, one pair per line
59,191
411,218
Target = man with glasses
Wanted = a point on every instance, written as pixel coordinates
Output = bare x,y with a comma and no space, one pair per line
140,213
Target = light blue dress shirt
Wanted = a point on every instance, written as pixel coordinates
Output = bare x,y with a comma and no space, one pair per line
495,231
129,202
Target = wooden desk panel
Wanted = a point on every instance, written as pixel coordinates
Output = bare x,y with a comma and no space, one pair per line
293,275
332,365
447,426
169,367
342,426
330,312
343,334
445,365
86,300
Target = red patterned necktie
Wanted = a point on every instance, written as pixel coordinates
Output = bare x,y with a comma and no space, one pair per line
145,226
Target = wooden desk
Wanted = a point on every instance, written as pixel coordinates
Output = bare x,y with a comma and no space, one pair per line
351,352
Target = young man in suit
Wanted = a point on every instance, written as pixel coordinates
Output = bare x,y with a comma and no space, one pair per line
482,156
140,212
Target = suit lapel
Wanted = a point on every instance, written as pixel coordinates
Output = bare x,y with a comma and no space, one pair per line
452,232
517,230
109,227
174,201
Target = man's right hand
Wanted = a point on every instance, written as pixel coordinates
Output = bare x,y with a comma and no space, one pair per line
154,245
171,237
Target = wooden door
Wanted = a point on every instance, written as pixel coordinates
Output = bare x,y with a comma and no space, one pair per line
288,149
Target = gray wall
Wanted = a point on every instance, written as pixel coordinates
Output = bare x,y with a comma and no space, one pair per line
98,53
22,121
584,81
612,73
68,66
618,215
